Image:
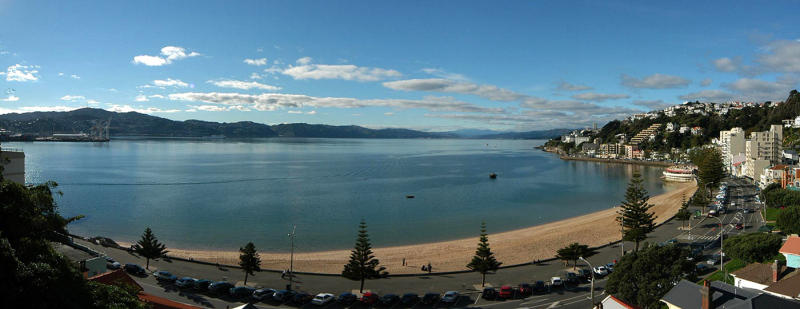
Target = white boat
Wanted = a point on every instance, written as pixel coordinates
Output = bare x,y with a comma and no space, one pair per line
679,173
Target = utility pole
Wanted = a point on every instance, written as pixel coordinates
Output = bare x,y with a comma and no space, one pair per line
291,258
591,289
622,240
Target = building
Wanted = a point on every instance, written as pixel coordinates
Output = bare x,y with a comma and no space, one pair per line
611,302
732,142
14,168
670,127
611,150
762,150
684,129
773,174
717,294
121,279
791,250
645,134
770,278
697,131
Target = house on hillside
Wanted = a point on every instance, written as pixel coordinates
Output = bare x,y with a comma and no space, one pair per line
717,294
791,250
121,279
611,302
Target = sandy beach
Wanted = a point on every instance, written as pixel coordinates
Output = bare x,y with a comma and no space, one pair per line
512,247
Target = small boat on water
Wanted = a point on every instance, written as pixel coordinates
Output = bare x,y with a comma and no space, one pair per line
409,196
679,173
493,176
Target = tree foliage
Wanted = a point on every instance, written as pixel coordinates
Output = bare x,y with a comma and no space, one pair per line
573,252
484,260
710,168
781,197
363,264
788,220
753,247
642,278
684,213
634,213
149,247
32,273
249,260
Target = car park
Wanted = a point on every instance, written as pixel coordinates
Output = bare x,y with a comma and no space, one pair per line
135,269
713,260
323,298
525,289
241,291
283,296
409,299
430,298
506,292
369,298
163,275
185,282
570,277
450,297
202,284
220,287
539,287
346,298
301,298
556,282
489,293
114,265
262,294
585,274
601,270
739,226
388,299
610,266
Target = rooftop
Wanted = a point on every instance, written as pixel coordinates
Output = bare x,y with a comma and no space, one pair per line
755,272
788,286
687,294
791,246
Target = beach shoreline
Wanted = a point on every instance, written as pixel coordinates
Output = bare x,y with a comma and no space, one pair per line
518,246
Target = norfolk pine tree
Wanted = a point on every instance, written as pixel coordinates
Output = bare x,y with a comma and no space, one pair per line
149,247
362,265
483,261
573,252
249,260
636,221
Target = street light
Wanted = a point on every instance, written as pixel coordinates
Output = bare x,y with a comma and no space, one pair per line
721,249
591,289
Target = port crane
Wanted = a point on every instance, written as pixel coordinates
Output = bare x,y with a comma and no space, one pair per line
99,132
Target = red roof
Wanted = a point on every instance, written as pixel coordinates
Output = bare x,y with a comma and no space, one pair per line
622,303
118,278
779,167
791,246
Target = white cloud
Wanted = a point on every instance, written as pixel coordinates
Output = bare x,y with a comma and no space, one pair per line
655,81
92,102
781,56
706,82
255,76
490,92
713,95
652,104
243,85
256,62
157,96
726,64
592,96
216,108
22,73
273,101
10,98
388,113
294,112
565,86
168,55
146,110
28,109
72,98
169,82
761,90
311,113
141,98
73,76
307,70
444,74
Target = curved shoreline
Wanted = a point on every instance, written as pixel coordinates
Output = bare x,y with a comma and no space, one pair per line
511,247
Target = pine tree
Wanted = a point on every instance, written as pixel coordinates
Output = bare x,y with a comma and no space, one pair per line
483,261
684,213
711,168
573,252
636,221
149,247
249,260
363,265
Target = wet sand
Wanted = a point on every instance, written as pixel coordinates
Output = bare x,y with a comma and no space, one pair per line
512,247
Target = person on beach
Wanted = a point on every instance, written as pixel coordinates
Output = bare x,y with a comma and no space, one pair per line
423,267
283,274
429,267
404,261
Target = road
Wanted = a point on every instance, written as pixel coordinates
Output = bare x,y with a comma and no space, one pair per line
703,231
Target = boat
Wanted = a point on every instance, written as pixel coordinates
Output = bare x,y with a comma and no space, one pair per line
679,173
409,196
493,176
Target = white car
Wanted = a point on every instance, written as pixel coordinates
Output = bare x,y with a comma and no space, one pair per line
601,270
262,294
556,281
322,299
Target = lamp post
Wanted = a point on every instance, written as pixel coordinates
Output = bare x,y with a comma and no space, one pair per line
721,250
291,258
591,288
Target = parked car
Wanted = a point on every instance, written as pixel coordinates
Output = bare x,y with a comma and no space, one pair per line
585,274
506,292
450,297
556,282
409,299
525,289
489,293
539,287
114,265
185,282
714,259
739,226
163,275
601,270
323,298
369,298
346,298
430,298
262,294
220,287
241,291
610,266
202,284
570,277
283,295
302,298
135,269
388,299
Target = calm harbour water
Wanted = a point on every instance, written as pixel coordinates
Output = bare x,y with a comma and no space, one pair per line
220,194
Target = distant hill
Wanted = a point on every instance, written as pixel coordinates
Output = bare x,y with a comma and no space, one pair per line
545,134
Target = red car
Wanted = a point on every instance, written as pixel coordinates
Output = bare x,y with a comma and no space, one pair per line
369,298
739,226
506,292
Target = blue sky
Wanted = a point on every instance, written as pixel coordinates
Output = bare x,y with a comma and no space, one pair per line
429,65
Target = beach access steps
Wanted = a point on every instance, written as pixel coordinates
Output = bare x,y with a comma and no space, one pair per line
644,134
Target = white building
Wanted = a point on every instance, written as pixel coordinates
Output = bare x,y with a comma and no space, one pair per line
14,168
732,142
762,150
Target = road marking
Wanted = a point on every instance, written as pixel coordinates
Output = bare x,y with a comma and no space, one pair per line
554,304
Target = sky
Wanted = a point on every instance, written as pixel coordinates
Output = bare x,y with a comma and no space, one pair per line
426,65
